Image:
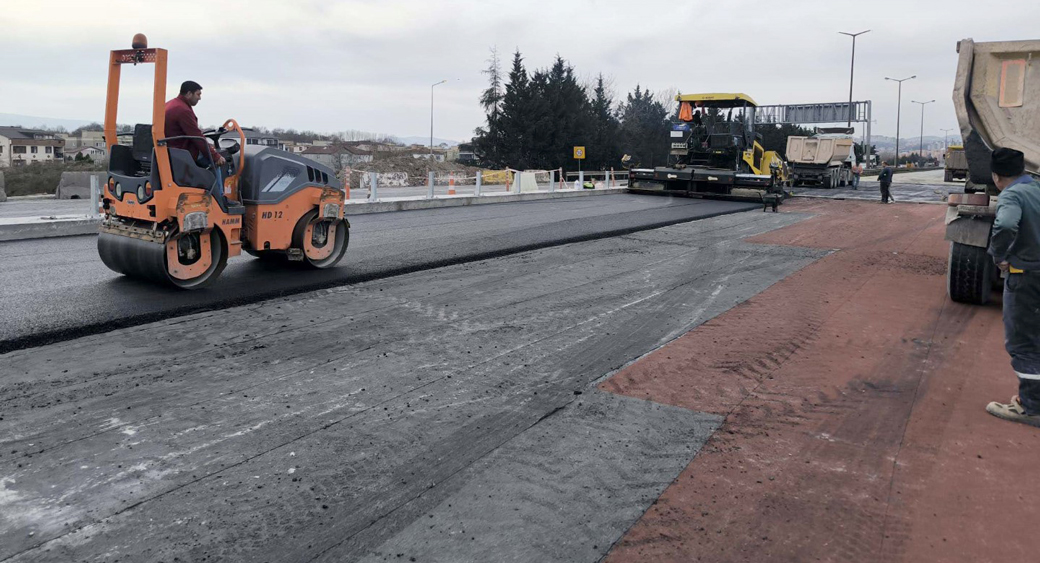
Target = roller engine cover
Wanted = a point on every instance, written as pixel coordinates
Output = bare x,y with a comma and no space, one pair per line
272,175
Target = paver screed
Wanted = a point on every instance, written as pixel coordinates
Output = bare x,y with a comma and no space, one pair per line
853,393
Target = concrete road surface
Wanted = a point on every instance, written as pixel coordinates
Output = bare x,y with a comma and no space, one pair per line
56,288
442,415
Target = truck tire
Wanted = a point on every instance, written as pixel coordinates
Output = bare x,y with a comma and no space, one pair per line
969,277
948,176
843,178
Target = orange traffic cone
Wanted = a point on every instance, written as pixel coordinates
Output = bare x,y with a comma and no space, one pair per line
451,185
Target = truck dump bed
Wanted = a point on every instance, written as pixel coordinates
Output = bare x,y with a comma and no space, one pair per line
997,99
995,95
818,150
955,159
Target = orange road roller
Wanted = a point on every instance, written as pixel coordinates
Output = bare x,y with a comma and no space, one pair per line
170,220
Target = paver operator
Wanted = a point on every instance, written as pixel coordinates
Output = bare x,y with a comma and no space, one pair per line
1015,246
181,121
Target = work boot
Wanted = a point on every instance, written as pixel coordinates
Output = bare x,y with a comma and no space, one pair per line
1013,411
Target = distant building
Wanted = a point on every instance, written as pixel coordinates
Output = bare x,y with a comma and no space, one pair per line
294,147
336,156
92,153
322,155
354,155
255,138
20,146
80,139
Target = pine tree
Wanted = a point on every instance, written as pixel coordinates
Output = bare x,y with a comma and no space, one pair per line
644,128
514,127
604,150
565,117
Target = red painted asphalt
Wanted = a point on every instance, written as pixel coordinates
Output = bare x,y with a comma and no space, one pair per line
854,395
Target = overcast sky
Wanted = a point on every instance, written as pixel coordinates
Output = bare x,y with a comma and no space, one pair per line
334,65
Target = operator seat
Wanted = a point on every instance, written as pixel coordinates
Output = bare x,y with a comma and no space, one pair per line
141,150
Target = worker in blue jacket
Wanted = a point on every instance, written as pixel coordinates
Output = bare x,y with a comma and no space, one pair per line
1015,246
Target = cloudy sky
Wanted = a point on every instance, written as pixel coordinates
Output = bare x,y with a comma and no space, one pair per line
334,65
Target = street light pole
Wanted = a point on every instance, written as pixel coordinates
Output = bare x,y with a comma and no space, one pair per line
852,68
431,115
920,151
899,108
946,139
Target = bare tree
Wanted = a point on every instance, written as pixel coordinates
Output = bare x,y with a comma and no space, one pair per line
492,96
666,98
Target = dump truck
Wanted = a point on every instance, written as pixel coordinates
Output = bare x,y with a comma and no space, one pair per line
956,164
997,105
824,160
714,152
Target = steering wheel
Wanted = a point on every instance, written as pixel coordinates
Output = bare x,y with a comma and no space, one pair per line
214,135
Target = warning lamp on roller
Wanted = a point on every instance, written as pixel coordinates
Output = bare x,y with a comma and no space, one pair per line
139,43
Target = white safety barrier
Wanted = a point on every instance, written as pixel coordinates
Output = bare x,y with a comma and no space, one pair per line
481,183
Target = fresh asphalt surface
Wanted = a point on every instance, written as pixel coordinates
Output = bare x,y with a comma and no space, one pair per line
449,414
58,288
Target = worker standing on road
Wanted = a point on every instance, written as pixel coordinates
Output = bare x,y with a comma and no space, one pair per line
885,180
857,171
1015,246
181,121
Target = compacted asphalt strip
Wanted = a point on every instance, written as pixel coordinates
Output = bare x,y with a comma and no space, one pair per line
442,415
56,289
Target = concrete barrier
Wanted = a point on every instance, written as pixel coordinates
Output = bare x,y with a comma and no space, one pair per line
21,228
422,202
76,185
3,194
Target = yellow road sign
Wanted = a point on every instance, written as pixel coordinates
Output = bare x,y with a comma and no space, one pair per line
579,153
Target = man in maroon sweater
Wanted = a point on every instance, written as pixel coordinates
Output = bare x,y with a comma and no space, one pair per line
181,120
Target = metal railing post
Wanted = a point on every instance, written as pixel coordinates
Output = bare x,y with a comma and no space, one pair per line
429,182
373,182
94,195
476,191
